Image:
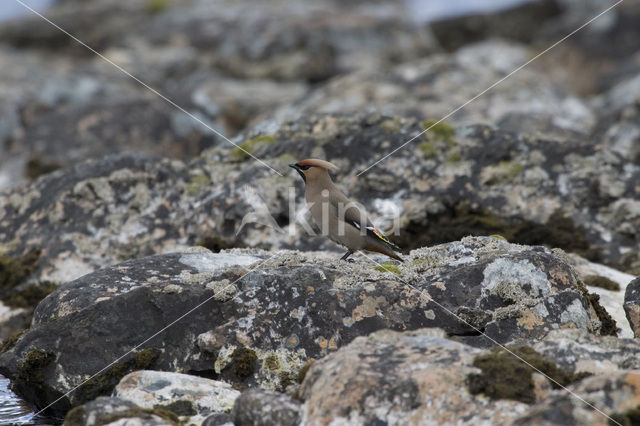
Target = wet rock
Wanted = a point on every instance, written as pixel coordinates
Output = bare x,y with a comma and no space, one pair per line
106,410
632,305
263,407
260,319
190,398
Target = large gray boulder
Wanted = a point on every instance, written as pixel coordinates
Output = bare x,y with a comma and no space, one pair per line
422,377
254,318
451,182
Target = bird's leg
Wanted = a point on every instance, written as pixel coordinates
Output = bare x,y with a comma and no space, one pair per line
346,255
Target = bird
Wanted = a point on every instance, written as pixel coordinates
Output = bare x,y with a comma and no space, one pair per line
339,218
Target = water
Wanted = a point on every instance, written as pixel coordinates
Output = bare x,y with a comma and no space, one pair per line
432,10
14,410
10,9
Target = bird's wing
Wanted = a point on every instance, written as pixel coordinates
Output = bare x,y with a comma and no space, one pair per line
354,215
357,217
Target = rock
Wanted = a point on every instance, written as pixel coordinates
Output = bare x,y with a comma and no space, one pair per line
245,39
263,407
601,54
161,291
613,395
421,377
580,352
435,88
128,205
190,398
105,410
414,377
632,305
218,420
609,284
514,23
261,322
67,136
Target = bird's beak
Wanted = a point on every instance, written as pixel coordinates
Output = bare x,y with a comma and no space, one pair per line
297,169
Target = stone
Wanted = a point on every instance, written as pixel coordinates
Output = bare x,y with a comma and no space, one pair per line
400,378
632,305
434,87
106,410
267,408
260,322
189,397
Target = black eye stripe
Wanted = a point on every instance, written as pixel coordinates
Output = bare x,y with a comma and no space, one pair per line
304,167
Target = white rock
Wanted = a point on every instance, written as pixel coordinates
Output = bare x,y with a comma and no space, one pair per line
147,389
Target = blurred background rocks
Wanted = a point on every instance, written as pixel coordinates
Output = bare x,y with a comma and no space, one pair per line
97,169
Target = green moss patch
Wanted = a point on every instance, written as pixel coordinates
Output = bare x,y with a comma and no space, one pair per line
609,326
502,173
454,157
503,376
271,362
156,6
103,384
146,357
302,373
181,408
77,416
602,282
31,295
243,150
11,341
243,362
388,266
391,125
428,149
37,167
215,243
33,365
461,220
198,184
439,130
13,271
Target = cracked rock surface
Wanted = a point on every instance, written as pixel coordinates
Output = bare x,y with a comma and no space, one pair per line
257,317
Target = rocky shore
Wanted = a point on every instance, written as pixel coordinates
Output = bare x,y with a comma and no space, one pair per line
151,273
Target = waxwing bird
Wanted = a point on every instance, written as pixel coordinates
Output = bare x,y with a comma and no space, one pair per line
339,218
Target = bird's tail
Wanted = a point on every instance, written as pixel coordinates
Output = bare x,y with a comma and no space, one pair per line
378,248
381,244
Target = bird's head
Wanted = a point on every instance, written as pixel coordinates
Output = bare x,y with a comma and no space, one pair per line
312,168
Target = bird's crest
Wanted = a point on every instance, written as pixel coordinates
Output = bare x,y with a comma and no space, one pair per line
318,163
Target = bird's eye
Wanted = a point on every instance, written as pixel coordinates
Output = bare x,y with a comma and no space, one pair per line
305,167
